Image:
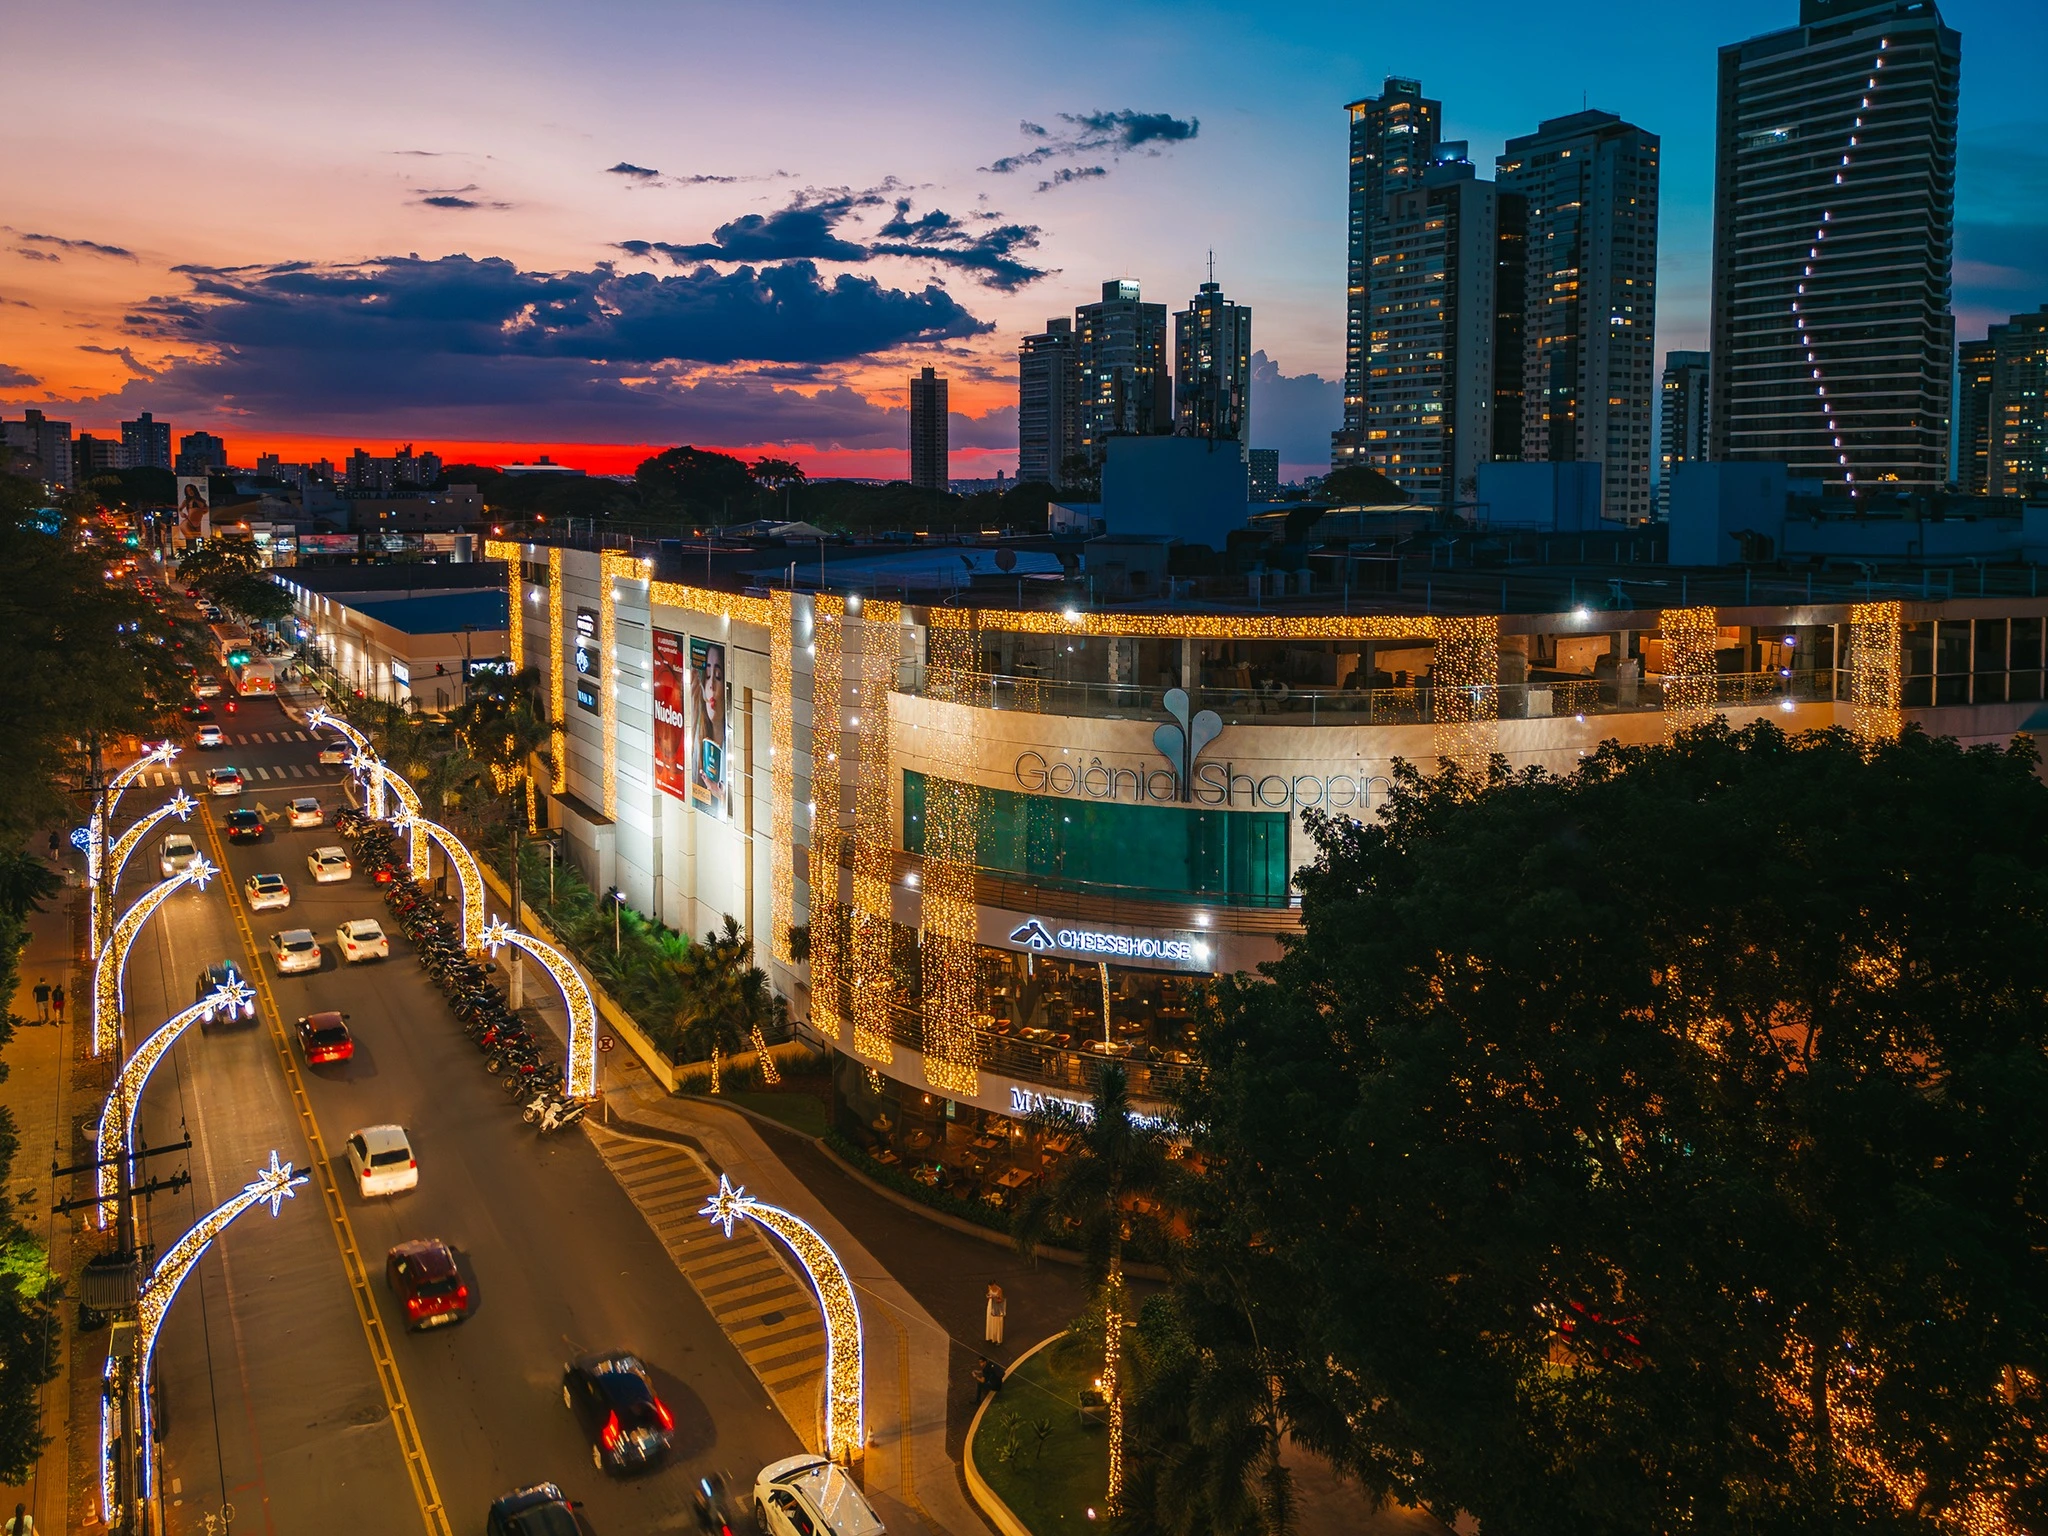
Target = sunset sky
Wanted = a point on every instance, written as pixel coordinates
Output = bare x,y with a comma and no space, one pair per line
505,228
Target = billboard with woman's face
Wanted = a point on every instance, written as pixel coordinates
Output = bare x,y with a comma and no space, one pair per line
671,724
709,780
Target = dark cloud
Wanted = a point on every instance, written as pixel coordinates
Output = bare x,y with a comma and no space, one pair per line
450,200
1071,173
456,343
12,377
627,168
91,247
1094,133
1294,413
142,370
807,229
32,254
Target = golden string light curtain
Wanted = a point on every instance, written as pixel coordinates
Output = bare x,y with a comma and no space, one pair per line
1874,670
828,688
874,841
952,825
782,773
1465,690
1690,635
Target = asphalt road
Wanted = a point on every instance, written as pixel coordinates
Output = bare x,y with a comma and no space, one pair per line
266,1379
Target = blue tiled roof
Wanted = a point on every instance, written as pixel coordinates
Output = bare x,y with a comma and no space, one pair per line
441,614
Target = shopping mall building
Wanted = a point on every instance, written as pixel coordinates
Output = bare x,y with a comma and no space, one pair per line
990,848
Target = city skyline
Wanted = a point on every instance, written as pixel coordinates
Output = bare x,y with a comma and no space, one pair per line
942,249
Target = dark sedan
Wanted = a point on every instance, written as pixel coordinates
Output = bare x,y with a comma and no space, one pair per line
245,826
424,1277
613,1398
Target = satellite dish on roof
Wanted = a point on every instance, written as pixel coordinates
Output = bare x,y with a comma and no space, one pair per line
1006,559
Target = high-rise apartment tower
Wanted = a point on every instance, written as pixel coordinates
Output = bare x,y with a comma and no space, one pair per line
1834,224
930,460
148,442
1126,383
2016,446
1589,354
1212,367
1048,403
1682,419
1393,137
1971,470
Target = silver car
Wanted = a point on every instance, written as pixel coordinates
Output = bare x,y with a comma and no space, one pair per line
295,950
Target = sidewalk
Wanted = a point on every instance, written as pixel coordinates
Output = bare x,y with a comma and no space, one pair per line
38,1093
921,1311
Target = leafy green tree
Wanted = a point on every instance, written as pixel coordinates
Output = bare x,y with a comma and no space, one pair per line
257,599
694,479
1114,1181
1358,485
215,565
1657,1148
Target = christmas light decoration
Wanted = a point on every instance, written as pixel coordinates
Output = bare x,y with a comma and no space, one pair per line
1690,635
613,567
466,872
828,687
1212,626
845,1423
364,765
1809,338
1465,690
1874,686
949,940
515,607
782,773
874,855
1113,1388
273,1186
179,805
711,603
102,904
558,739
113,959
582,1073
117,1118
113,1389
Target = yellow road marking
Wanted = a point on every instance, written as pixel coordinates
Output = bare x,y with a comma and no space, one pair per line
410,1447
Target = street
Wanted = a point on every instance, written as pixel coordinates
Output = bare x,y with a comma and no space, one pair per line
269,1393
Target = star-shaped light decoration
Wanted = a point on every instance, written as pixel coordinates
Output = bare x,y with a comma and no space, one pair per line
274,1184
497,936
317,718
81,837
182,805
727,1206
203,871
232,995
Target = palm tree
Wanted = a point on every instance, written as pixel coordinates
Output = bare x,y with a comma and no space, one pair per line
1118,1158
505,731
723,1001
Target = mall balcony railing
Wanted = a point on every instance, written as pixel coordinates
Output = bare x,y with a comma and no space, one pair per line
1284,704
1073,1072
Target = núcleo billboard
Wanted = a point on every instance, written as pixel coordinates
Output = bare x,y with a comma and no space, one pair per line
671,723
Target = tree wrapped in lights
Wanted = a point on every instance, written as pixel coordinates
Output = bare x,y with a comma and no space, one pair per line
117,1118
845,1423
582,1071
112,963
272,1186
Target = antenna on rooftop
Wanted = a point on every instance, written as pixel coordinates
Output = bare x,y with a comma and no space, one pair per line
1212,263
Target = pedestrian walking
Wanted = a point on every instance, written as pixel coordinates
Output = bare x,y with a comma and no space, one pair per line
23,1523
992,1319
988,1381
56,849
42,995
57,1002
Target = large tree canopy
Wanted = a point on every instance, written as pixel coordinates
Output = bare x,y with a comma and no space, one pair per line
1656,1149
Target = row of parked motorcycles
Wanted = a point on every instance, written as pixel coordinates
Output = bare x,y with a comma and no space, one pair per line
527,1066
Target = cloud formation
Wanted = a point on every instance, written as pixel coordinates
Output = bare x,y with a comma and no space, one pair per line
12,377
1294,413
626,168
88,247
646,176
808,229
1117,133
454,197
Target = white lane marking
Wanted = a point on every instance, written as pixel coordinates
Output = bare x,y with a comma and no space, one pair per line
261,773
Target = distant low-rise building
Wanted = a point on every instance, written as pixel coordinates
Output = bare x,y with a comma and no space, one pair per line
92,455
455,510
1262,466
540,466
403,471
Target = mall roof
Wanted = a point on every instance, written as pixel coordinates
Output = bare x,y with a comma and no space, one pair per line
440,613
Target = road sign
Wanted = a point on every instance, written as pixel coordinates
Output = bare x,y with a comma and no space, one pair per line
605,1042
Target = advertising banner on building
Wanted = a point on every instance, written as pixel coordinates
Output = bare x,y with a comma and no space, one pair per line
195,511
708,778
671,725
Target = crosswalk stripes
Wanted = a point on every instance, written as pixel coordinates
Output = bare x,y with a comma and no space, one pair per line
768,1312
261,773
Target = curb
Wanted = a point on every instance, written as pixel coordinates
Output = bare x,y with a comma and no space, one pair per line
993,1509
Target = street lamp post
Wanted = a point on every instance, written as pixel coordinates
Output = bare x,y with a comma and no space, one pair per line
617,898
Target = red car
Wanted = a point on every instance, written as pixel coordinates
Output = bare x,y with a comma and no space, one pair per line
424,1277
324,1037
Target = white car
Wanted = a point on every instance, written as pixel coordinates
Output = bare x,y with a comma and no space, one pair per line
305,812
209,736
381,1158
361,939
329,864
334,754
294,950
224,781
207,687
176,854
266,892
809,1496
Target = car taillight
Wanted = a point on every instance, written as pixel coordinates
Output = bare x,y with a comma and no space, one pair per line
413,1304
412,1162
611,1432
661,1412
462,1293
